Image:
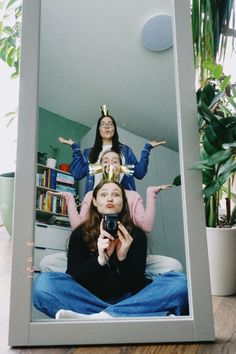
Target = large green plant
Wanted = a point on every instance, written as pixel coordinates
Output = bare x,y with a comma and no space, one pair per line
210,22
217,134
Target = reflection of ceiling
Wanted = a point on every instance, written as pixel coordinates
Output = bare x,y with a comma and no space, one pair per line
91,53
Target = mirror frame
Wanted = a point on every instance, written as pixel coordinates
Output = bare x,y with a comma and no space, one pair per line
198,326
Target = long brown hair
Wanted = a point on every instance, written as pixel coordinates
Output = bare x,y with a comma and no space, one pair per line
91,227
97,147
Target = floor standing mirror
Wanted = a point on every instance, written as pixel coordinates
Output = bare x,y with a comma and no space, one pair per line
136,57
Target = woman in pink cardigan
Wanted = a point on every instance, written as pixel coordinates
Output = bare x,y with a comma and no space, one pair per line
141,216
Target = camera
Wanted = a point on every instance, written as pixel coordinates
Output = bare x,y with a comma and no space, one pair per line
110,224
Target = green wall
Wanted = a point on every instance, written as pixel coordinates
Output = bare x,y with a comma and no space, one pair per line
51,126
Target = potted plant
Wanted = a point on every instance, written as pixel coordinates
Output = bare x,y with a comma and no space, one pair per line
6,199
51,161
217,136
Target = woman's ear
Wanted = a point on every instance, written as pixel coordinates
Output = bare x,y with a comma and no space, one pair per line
94,202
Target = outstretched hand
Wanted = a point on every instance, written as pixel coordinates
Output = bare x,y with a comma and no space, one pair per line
65,141
156,143
157,189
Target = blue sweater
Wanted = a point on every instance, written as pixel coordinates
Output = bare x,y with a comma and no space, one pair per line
80,165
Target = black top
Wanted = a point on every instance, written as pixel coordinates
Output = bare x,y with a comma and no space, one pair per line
116,277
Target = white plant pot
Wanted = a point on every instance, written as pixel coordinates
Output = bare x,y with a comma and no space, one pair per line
221,245
51,162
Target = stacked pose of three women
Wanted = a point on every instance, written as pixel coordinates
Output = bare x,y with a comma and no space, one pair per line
105,276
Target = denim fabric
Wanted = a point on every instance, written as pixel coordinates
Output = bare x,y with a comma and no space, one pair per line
166,294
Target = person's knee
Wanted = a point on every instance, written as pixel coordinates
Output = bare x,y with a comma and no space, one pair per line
176,265
40,288
55,262
182,287
44,265
177,281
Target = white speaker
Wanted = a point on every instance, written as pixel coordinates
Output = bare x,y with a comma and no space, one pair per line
157,33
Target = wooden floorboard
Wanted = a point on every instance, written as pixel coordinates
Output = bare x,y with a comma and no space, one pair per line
224,309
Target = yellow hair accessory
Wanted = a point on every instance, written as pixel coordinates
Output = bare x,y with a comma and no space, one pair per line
104,110
108,173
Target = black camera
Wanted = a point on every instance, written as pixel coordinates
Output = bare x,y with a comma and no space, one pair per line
110,224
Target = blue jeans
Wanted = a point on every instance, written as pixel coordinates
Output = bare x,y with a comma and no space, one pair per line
167,294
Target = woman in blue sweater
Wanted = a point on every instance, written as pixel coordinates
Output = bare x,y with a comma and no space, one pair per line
107,139
105,274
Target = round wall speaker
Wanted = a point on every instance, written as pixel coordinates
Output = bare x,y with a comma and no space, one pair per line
157,33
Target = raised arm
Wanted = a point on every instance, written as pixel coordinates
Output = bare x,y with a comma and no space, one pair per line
141,166
76,218
79,166
141,216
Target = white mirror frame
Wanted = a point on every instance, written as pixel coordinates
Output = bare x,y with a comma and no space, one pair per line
198,326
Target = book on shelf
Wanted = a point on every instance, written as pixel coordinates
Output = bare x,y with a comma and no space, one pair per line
59,221
64,188
65,178
41,179
50,177
50,203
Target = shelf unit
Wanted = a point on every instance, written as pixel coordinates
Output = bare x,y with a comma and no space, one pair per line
52,180
49,239
52,227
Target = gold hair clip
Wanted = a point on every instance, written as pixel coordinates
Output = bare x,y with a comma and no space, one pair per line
95,168
108,171
104,110
127,169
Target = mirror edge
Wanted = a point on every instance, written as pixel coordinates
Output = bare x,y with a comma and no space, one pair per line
193,207
22,331
24,187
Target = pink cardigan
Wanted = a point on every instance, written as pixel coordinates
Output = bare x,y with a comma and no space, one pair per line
143,218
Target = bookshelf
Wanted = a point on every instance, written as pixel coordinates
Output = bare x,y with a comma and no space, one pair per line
52,180
52,227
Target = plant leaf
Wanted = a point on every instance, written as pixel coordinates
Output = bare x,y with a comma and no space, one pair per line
177,181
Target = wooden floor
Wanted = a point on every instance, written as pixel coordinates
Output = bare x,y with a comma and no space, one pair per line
224,309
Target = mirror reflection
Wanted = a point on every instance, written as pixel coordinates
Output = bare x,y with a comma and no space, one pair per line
109,222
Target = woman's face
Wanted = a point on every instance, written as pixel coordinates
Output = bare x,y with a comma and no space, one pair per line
109,199
106,128
111,159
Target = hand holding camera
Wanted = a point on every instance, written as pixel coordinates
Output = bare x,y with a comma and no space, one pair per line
113,236
106,245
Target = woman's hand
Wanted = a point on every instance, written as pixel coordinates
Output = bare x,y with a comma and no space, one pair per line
156,143
106,245
125,240
65,141
157,189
